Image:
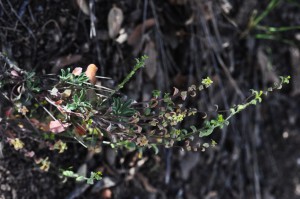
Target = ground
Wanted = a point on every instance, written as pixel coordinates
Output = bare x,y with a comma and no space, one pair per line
256,156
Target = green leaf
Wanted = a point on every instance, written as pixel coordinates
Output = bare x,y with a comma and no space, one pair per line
194,129
206,82
80,178
147,111
206,145
156,93
122,108
130,145
90,181
69,173
155,148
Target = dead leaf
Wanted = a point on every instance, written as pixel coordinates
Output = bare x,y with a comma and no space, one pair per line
183,95
54,91
106,193
57,126
108,129
136,35
115,19
266,66
14,73
29,154
91,73
295,62
80,130
187,163
67,93
82,4
40,125
59,102
145,182
151,62
61,62
122,37
176,91
77,71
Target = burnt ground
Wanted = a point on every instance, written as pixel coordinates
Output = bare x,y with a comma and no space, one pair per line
257,156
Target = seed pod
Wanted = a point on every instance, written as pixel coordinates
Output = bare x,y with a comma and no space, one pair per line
91,73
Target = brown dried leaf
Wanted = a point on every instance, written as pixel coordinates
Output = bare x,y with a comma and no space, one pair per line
57,126
80,130
137,129
64,61
151,62
106,193
183,95
108,129
115,19
153,103
91,73
40,125
67,93
136,36
82,4
175,91
59,102
295,63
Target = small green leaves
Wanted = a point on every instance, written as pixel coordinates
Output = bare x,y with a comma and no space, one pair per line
156,93
285,80
68,77
93,176
167,99
32,82
122,108
140,62
206,82
78,102
117,122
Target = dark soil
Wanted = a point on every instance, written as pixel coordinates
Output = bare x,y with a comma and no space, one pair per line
257,156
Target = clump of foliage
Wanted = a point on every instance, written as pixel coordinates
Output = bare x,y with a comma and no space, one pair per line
57,109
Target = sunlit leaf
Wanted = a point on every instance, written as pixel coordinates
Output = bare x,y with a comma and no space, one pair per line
77,71
114,19
57,126
183,95
91,73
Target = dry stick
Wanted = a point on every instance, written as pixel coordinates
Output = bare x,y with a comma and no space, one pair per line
11,64
21,21
227,73
257,187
